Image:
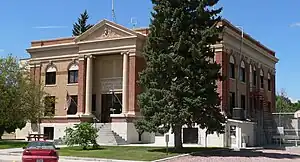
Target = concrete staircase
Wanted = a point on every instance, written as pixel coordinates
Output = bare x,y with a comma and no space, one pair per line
108,137
9,136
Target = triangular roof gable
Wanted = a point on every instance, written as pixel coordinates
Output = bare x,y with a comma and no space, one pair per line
111,25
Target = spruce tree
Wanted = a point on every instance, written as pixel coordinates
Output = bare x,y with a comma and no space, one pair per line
179,82
81,25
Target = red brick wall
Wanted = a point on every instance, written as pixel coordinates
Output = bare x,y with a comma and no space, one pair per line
247,69
223,86
81,87
35,73
273,93
136,65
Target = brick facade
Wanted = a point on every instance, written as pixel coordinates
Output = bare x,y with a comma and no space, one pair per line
35,73
222,59
81,86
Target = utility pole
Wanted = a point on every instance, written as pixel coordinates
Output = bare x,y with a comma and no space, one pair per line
238,79
113,11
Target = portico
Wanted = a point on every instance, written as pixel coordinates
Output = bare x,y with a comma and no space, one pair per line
122,88
97,46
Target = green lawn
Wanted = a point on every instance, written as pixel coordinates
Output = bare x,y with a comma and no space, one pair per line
6,144
127,152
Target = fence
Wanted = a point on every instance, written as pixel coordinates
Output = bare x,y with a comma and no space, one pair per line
287,129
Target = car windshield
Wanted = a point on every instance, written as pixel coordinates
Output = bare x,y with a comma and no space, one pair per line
41,145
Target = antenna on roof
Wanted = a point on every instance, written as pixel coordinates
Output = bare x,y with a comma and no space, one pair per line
133,21
113,11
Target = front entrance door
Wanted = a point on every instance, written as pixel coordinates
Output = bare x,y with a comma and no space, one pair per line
111,104
49,132
232,136
190,135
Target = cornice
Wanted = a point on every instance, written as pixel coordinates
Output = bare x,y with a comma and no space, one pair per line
250,44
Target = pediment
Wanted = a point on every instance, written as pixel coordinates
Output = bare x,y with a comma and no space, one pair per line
105,30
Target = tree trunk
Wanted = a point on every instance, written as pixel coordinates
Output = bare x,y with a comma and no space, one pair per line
177,137
205,138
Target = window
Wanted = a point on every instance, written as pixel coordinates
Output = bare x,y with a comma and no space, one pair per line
242,72
261,104
94,103
261,79
269,82
254,104
269,106
49,106
50,76
243,101
73,74
72,110
231,101
231,67
254,77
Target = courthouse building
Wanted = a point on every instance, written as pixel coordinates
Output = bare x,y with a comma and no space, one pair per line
99,71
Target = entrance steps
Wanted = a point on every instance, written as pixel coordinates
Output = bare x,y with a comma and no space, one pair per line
106,136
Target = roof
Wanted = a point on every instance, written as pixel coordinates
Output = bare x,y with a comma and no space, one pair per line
228,24
140,31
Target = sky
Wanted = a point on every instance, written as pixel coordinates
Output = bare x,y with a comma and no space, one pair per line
274,23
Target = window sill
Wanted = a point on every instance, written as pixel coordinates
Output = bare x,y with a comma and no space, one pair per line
243,82
72,84
72,116
50,85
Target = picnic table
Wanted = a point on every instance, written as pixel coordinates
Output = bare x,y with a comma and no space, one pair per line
36,137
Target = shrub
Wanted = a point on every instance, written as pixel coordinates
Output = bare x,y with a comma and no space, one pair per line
83,134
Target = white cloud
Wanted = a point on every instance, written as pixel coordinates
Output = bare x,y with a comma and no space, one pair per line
293,100
297,24
1,50
49,27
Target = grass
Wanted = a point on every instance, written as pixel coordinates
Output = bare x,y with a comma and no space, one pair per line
6,144
127,152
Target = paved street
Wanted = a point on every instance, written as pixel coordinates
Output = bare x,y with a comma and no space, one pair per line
267,155
243,156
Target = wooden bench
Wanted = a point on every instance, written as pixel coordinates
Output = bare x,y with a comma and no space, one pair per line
36,137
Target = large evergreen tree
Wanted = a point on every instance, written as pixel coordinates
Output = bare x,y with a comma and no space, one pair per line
179,82
81,25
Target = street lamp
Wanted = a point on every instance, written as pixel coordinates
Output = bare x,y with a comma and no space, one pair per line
239,65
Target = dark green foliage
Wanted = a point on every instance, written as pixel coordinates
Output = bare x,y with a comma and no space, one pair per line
81,25
179,82
83,134
284,104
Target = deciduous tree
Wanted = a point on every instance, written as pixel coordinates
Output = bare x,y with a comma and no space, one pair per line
21,100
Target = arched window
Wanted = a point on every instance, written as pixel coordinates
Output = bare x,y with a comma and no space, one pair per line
73,74
261,78
50,77
269,82
242,72
254,76
231,67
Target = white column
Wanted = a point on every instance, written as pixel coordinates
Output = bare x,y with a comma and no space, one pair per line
125,83
89,83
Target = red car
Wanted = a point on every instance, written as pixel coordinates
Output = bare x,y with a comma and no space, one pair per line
40,151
